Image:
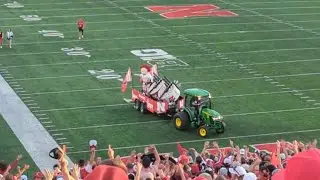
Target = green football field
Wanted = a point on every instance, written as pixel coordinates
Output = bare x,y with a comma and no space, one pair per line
261,66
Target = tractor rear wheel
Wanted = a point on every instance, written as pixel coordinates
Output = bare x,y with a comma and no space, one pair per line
203,131
181,120
143,108
137,105
220,127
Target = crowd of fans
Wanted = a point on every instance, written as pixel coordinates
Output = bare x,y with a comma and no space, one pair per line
288,161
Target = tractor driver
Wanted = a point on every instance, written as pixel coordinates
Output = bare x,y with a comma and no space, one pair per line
196,103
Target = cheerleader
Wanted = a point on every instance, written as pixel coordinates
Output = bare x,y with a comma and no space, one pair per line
10,37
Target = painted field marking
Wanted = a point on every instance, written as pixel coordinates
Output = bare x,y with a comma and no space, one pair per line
26,127
31,104
311,100
46,122
41,114
161,36
61,143
161,121
127,100
280,85
208,139
191,82
126,21
114,105
98,1
289,23
270,50
43,118
305,97
81,107
58,134
316,104
102,8
59,139
275,2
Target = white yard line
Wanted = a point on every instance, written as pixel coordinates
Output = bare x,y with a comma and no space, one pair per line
126,21
89,2
120,14
112,88
275,2
161,121
272,50
207,139
167,46
288,23
208,33
164,36
170,69
26,127
216,80
106,8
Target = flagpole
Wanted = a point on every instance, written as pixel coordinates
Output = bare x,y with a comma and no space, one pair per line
131,78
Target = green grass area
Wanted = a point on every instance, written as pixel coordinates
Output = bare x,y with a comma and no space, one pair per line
277,42
11,148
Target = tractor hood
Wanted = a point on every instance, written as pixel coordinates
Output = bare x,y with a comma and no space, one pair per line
206,112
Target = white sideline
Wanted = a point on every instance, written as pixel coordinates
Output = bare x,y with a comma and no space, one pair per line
32,135
203,140
161,121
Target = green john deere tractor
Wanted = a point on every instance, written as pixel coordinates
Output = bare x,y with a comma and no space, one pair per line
197,113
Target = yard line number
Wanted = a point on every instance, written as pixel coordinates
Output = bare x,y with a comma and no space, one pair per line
14,4
159,57
76,51
31,17
51,33
106,74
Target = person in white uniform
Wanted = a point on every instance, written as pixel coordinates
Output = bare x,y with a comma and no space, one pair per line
10,37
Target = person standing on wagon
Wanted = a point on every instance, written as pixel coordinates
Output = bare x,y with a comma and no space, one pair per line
10,37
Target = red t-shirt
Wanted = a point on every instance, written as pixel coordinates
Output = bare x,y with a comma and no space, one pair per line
81,23
83,173
1,35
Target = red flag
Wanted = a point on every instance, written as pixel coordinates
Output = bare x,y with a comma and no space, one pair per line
154,69
126,79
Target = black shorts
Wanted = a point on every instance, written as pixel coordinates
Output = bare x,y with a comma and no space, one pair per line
80,29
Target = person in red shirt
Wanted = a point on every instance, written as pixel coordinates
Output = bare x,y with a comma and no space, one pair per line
1,38
81,25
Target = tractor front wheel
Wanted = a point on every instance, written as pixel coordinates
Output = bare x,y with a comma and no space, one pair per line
203,131
220,127
181,120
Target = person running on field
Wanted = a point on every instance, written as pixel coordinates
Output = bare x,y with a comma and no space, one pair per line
10,37
1,39
81,25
